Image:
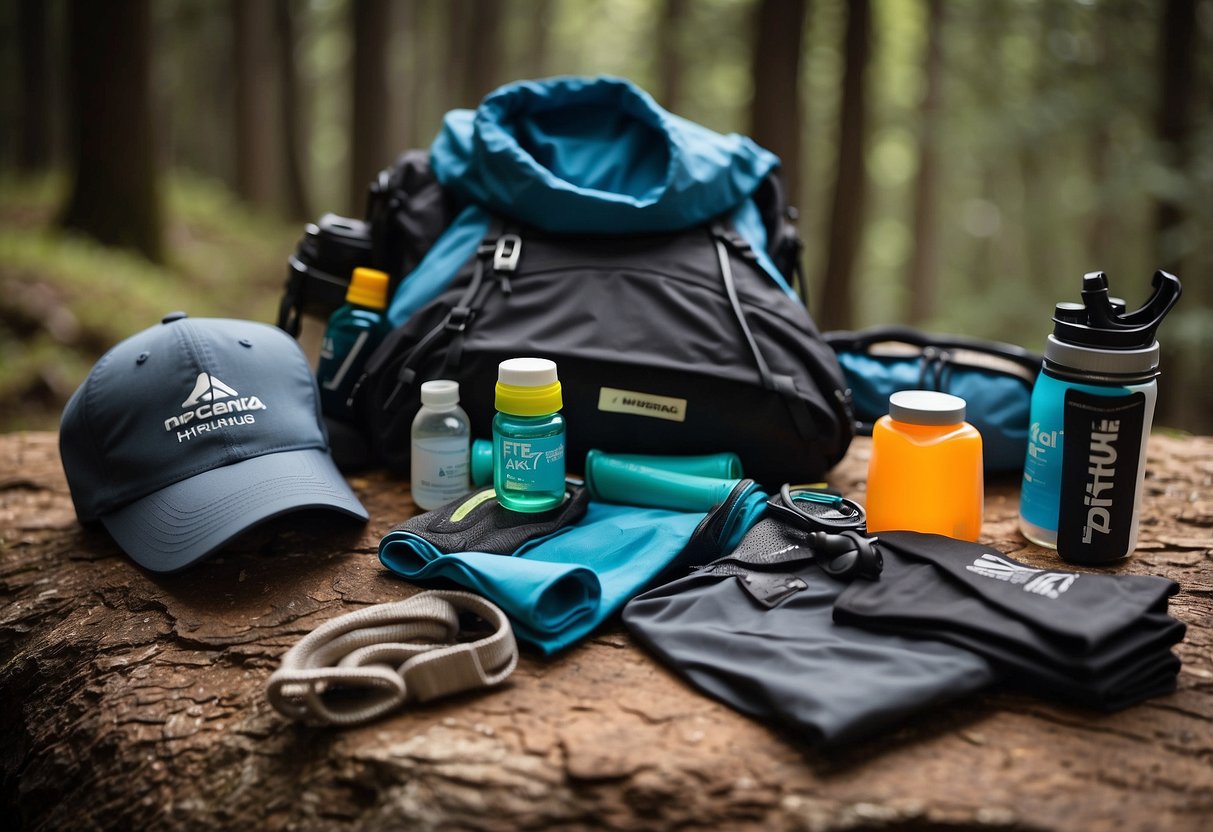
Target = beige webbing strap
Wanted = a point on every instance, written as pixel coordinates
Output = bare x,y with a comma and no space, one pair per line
361,665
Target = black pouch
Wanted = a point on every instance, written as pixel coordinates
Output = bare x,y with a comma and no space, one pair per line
994,379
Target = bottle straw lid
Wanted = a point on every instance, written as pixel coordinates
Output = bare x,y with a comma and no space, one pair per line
1101,322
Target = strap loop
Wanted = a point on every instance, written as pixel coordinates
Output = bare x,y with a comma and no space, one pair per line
390,654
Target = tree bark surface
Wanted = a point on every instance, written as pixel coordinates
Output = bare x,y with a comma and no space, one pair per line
135,701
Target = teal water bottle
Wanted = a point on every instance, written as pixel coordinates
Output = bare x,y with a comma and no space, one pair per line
353,332
528,436
1092,407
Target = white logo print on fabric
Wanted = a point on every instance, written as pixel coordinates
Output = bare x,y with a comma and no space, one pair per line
1036,581
213,404
208,388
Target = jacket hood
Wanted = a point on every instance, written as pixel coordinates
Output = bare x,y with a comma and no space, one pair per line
593,155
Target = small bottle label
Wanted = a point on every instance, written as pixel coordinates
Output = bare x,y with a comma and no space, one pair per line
440,470
1099,475
533,464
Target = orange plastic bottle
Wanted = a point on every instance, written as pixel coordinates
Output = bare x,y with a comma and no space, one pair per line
925,473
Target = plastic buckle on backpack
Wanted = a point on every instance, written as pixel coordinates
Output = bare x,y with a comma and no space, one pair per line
507,252
457,320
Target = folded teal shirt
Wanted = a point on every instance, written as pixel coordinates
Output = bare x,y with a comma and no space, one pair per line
558,588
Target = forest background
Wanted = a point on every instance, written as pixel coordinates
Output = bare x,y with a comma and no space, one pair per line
957,165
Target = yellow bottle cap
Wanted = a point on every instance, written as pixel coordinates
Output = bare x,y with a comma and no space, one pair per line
527,387
368,287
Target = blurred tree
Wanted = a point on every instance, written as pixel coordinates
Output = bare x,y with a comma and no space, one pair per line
406,77
481,51
256,136
775,109
1181,404
114,195
369,150
921,281
837,306
453,77
1041,139
1104,224
33,70
1176,55
293,139
670,64
535,55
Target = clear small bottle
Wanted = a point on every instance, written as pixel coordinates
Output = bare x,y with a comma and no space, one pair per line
528,436
925,473
441,446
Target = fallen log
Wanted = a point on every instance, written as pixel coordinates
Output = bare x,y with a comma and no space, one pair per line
137,701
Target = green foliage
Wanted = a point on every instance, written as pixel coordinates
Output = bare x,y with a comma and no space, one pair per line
1050,162
64,300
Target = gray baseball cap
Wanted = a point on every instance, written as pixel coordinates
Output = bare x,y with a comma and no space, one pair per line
193,431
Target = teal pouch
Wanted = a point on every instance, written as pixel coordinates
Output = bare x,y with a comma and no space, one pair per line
993,378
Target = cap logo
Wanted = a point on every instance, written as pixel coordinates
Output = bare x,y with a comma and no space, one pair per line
208,388
210,407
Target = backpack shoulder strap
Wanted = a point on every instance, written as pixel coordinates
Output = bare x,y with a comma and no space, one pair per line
453,326
783,239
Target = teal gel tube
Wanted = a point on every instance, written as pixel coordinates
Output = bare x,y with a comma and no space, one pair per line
618,481
528,436
721,466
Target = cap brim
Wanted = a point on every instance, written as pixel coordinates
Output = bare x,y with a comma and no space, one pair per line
188,520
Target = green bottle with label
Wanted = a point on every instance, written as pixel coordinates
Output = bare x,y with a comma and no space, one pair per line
528,436
353,332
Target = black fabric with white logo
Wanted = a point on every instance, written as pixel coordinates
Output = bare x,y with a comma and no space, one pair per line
785,660
1095,640
190,432
1099,475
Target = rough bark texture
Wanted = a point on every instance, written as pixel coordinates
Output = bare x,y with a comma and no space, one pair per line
134,701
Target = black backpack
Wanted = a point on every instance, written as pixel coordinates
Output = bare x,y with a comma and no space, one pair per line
667,343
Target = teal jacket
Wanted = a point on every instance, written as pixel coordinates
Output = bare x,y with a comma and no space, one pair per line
583,156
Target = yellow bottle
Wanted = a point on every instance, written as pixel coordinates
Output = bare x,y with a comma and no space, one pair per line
925,472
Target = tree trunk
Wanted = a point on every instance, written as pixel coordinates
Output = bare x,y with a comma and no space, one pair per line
535,56
137,701
837,305
922,279
1177,78
406,75
34,89
482,51
293,138
455,67
670,60
256,123
1104,224
1177,71
114,196
368,140
776,109
1039,216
